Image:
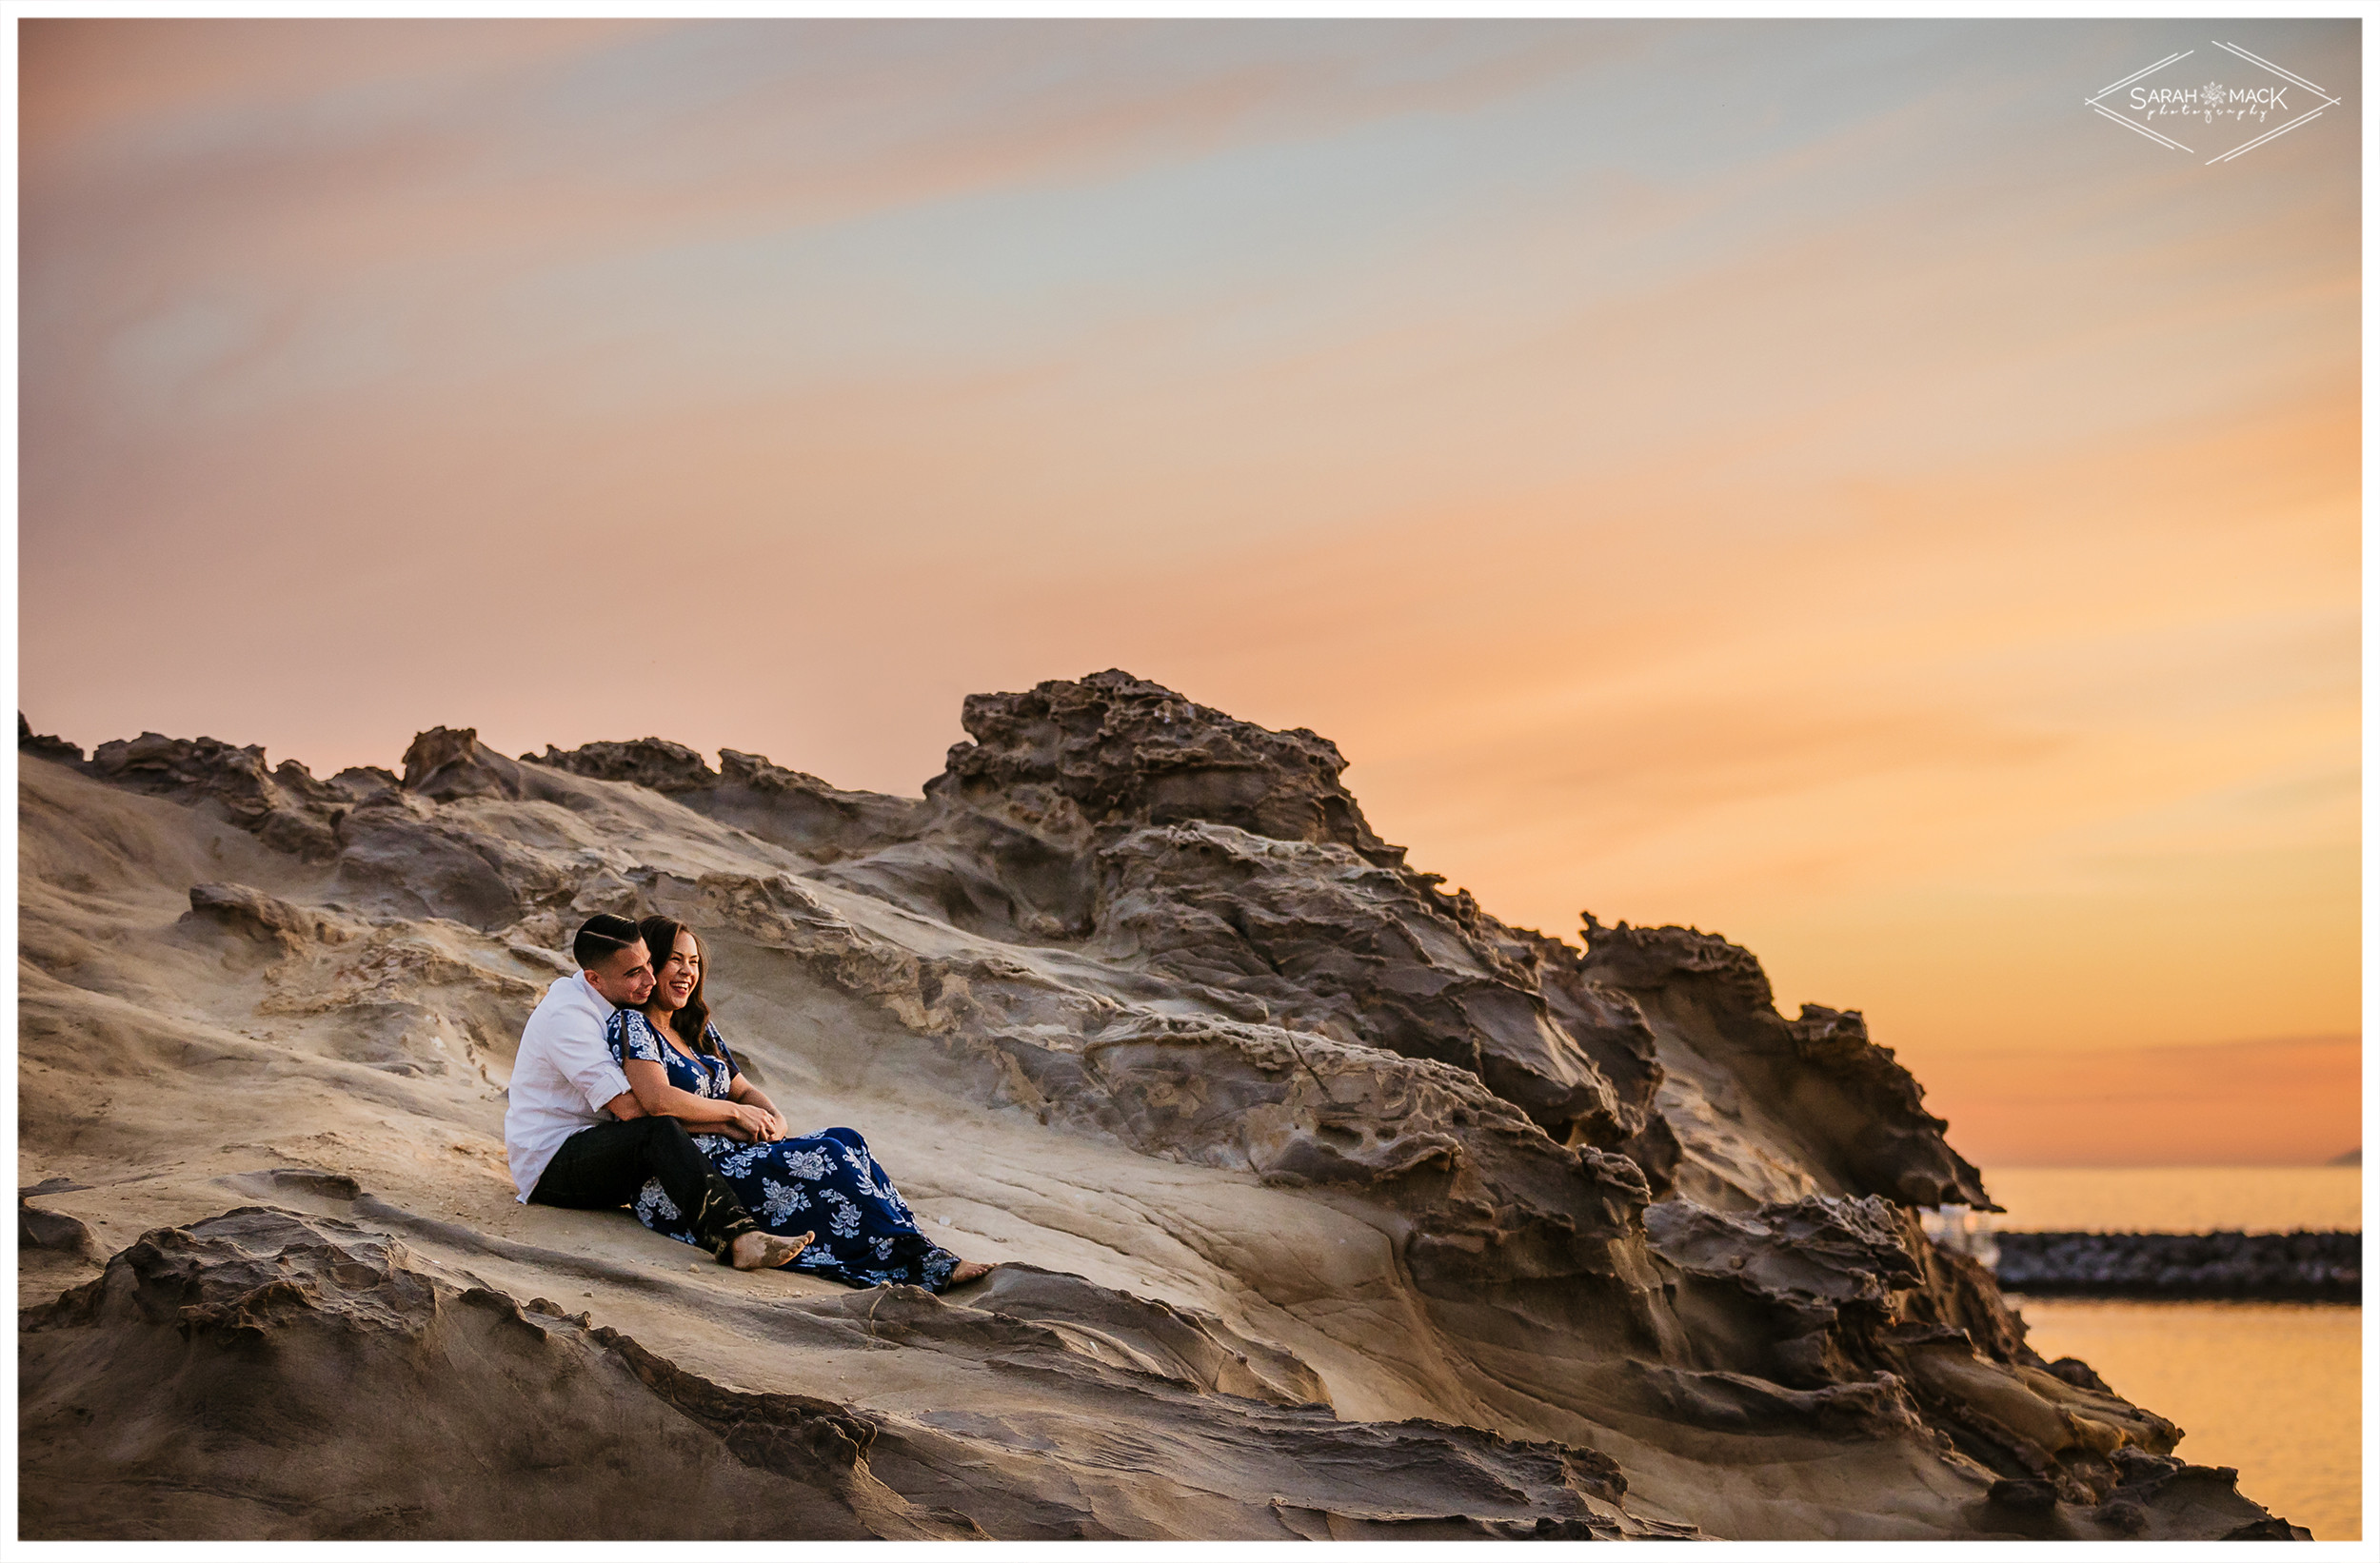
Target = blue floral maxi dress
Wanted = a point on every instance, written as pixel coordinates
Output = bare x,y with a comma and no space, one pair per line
825,1182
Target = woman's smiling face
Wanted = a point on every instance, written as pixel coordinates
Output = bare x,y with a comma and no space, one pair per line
673,983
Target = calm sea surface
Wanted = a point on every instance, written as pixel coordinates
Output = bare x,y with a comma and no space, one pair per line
2274,1389
2177,1198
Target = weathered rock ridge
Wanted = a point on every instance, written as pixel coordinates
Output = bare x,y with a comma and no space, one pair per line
1384,1218
1853,1118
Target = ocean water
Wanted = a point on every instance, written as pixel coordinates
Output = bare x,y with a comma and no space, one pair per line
2272,1389
2177,1198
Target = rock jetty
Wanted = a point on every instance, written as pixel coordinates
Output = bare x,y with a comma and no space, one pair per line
2282,1266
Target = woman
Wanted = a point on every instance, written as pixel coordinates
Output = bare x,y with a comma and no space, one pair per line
679,1067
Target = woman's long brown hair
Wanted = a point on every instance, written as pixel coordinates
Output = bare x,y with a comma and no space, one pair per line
692,1021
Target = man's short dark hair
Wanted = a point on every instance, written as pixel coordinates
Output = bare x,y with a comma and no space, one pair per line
604,936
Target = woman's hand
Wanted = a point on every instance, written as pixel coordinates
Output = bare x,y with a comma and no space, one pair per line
745,1091
754,1123
762,1122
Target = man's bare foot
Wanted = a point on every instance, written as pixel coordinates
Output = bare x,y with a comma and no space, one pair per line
765,1250
969,1269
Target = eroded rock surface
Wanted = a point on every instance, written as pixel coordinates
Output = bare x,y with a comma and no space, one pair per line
1832,1105
45,745
1111,748
287,807
268,1328
1328,944
1338,1206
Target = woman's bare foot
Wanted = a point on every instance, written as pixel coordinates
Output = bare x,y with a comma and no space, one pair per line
765,1250
969,1269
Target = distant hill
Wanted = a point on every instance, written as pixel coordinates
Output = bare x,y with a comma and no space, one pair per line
2347,1159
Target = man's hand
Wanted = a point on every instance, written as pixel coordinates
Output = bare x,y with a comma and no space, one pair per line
623,1106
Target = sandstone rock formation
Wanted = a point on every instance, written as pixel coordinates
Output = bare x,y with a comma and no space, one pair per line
263,1325
1814,1102
45,745
1334,1205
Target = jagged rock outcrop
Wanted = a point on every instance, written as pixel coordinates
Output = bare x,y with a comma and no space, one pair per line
45,745
1349,1209
787,808
1231,858
653,763
447,763
1110,748
1329,943
1610,1029
286,807
1848,1290
1807,1265
797,810
1836,1104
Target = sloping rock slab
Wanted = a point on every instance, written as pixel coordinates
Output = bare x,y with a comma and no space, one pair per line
206,1386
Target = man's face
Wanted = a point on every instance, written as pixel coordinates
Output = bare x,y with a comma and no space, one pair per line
625,976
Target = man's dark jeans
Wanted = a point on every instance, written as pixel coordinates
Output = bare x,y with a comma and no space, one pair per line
603,1168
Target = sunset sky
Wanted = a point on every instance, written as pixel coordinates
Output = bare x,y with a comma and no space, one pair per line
1812,481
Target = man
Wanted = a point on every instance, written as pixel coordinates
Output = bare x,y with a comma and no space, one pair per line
573,1130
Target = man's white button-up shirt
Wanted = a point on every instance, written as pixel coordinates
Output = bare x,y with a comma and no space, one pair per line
562,1077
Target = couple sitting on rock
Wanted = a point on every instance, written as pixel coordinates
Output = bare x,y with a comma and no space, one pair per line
625,1094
